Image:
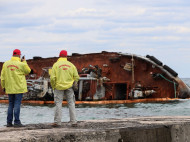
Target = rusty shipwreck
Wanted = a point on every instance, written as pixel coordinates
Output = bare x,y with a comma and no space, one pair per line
109,76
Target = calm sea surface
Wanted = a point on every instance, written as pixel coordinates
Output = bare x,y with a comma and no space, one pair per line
32,114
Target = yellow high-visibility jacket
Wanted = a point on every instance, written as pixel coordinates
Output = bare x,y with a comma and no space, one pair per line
13,76
63,74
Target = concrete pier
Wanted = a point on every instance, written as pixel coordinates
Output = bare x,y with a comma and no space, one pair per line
141,129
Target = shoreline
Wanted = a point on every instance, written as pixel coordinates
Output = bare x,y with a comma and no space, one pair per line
149,129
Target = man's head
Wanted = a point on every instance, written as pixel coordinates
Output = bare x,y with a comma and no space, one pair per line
63,53
17,52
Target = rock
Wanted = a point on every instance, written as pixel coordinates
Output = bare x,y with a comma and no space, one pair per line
147,129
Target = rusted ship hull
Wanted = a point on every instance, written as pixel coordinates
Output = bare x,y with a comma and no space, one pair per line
110,76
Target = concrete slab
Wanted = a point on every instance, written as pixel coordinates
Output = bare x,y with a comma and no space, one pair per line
139,129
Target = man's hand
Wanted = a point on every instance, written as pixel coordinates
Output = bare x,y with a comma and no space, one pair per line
75,86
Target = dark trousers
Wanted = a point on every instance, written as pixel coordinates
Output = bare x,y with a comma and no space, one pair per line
14,108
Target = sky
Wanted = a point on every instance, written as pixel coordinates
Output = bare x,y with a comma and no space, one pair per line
160,28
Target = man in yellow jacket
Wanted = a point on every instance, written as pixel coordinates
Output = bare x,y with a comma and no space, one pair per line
13,82
62,77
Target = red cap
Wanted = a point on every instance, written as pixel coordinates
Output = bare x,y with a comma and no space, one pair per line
16,52
63,53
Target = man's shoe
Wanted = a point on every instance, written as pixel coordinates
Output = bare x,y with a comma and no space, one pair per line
18,125
9,125
74,124
55,125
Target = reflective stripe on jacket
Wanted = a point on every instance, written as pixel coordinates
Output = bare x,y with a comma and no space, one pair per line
63,74
13,76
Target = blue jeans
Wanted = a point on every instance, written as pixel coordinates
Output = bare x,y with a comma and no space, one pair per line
14,108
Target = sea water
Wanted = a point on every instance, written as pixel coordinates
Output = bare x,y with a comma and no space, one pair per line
33,114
